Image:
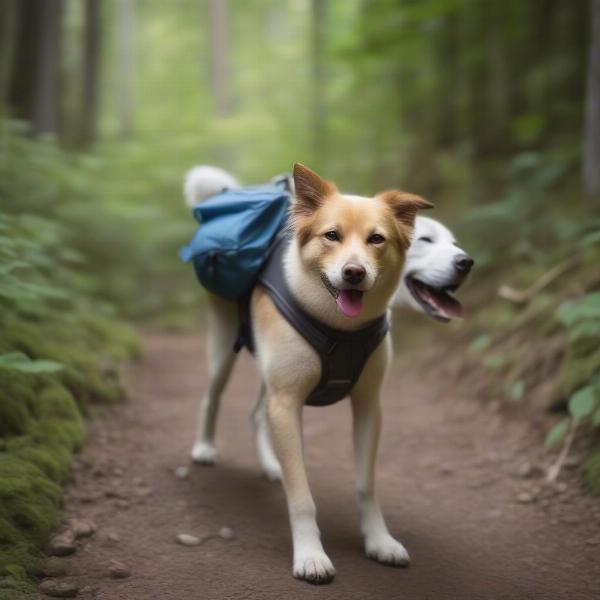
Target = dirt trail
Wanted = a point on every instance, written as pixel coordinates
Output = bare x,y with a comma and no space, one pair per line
447,479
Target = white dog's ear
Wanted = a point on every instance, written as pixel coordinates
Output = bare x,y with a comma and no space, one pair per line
311,190
405,205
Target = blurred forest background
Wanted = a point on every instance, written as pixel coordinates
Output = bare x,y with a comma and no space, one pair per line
490,109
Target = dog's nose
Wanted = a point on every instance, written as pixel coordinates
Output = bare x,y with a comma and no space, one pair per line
463,263
353,273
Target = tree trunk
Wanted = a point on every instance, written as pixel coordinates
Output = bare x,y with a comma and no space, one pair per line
125,59
319,17
8,22
91,72
46,99
25,56
220,69
591,133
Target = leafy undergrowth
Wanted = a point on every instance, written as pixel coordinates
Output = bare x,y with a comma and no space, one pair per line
60,352
534,340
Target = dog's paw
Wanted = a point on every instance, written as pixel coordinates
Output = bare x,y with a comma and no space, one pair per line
204,454
388,551
315,568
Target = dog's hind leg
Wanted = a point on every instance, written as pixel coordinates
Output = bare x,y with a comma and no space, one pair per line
266,455
223,322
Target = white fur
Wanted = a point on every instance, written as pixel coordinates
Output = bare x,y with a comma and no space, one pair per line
204,181
430,261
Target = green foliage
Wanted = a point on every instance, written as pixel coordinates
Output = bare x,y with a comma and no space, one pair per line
517,389
557,433
583,402
584,408
59,351
480,343
581,317
17,361
584,312
115,225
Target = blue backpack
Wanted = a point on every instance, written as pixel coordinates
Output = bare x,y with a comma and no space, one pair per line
236,229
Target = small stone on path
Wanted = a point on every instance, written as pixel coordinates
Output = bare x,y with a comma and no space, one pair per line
226,533
58,589
525,498
182,472
82,528
118,570
63,544
187,540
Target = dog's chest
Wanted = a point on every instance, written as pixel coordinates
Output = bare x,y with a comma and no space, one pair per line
323,363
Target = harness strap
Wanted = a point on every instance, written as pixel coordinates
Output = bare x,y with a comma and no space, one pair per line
343,354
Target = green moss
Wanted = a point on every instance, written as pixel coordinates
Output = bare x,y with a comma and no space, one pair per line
17,396
31,469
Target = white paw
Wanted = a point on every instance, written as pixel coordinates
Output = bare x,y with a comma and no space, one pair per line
314,568
204,454
385,549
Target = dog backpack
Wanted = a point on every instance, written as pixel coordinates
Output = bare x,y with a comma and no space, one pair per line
236,229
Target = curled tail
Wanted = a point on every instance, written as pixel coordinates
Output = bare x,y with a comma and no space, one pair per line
204,181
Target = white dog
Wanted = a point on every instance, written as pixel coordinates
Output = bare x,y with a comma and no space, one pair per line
348,260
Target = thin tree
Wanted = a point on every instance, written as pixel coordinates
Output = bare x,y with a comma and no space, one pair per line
220,68
125,34
91,72
46,98
8,21
25,56
319,108
591,132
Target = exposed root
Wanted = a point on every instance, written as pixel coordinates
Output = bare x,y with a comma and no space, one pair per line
554,470
522,296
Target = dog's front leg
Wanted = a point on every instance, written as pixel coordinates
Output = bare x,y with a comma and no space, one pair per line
379,544
310,561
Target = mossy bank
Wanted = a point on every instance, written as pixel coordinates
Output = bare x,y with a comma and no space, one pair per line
60,353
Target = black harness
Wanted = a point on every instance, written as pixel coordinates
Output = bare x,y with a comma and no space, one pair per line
343,354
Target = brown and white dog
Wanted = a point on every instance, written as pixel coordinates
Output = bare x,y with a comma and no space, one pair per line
343,267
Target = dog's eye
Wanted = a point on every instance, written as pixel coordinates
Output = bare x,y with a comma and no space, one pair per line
376,238
426,239
332,236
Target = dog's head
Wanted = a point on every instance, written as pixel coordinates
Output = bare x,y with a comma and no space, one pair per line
435,268
355,246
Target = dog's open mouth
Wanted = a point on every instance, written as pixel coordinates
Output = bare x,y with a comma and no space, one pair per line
438,303
350,302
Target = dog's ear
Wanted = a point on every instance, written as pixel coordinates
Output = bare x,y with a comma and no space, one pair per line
311,190
405,205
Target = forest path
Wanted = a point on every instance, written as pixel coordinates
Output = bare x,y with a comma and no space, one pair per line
447,477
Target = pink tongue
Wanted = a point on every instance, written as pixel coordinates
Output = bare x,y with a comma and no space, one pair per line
350,302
